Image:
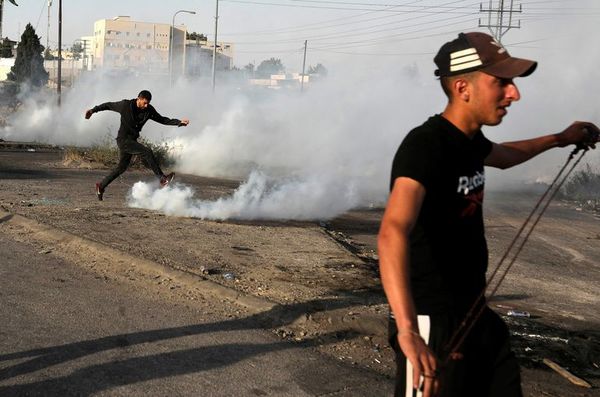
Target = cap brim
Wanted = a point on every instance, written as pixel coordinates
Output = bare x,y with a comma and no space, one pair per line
510,68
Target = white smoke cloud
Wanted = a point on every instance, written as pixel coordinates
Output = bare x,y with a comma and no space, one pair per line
260,197
317,154
304,156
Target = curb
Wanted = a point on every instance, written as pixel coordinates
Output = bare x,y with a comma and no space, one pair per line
83,246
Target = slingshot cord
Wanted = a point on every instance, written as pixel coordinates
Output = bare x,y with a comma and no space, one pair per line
478,307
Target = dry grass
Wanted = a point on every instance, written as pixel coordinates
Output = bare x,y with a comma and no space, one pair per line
583,187
105,153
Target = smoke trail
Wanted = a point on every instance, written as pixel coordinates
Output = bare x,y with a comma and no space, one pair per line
315,155
260,197
311,156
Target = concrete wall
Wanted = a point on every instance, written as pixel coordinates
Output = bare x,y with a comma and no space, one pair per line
199,60
70,71
5,65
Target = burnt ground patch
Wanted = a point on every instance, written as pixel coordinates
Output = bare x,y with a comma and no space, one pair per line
577,351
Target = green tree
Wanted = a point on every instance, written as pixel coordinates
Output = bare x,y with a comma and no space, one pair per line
5,48
319,69
249,68
48,55
195,36
269,67
77,50
29,64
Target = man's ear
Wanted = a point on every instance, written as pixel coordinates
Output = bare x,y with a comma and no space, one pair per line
461,89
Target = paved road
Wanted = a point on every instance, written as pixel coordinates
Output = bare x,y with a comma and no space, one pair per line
67,330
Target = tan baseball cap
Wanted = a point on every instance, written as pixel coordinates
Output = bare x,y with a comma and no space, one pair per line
479,51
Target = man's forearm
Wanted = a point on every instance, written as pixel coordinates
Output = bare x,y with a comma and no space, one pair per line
527,149
157,117
509,154
114,106
404,206
395,277
167,121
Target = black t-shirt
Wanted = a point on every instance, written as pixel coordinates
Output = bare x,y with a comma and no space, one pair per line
133,118
448,251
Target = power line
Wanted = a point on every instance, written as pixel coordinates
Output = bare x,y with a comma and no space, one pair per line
445,33
311,26
399,37
368,30
365,31
41,12
425,10
340,46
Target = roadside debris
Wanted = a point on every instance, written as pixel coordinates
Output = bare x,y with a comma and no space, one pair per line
566,374
229,276
518,313
540,337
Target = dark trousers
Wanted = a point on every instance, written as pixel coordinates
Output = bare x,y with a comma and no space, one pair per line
128,148
488,367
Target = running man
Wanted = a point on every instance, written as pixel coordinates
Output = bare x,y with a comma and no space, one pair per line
432,248
134,114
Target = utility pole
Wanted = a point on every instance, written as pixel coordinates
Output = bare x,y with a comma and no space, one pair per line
303,67
59,74
214,60
48,30
503,18
2,16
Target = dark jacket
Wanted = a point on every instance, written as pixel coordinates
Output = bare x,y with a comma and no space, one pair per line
132,118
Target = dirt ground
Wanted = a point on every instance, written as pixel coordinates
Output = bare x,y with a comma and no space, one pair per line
325,272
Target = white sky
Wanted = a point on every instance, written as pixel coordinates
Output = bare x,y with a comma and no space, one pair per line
338,32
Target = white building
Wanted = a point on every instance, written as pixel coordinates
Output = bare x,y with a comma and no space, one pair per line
121,43
199,55
87,42
144,47
279,81
5,65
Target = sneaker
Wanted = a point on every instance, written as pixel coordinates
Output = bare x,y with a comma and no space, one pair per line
166,179
99,191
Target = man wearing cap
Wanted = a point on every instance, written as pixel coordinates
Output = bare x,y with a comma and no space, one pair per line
432,248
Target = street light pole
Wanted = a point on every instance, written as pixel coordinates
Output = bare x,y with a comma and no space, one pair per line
214,60
303,66
171,44
48,29
59,74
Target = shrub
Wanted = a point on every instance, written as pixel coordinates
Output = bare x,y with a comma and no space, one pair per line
106,152
584,188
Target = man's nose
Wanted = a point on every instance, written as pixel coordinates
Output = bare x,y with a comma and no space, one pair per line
512,92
